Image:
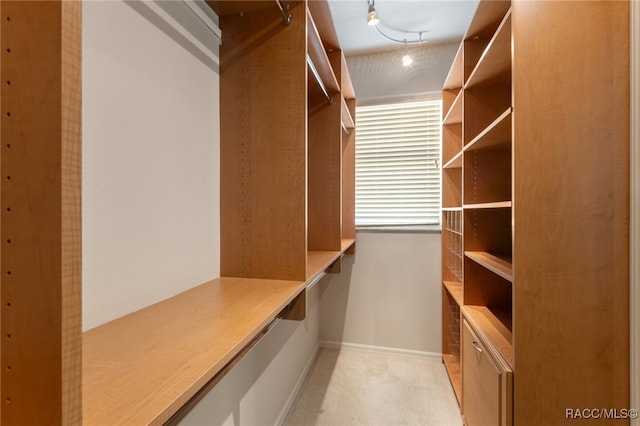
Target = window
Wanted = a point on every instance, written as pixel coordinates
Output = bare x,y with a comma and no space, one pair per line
397,163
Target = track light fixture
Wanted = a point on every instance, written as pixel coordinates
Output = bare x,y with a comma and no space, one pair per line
372,16
373,20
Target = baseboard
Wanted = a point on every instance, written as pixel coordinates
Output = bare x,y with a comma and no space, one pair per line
379,349
296,389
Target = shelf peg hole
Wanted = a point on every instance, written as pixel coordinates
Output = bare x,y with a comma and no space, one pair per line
8,209
8,82
8,368
8,336
8,114
8,50
9,273
8,19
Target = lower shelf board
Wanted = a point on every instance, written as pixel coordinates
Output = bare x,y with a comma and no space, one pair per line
455,290
452,365
143,367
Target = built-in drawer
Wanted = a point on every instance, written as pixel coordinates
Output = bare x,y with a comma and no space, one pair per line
486,383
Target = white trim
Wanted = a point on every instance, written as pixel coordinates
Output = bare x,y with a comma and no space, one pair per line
282,417
379,349
635,209
207,16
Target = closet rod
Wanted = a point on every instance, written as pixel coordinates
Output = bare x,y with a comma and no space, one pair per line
284,11
315,73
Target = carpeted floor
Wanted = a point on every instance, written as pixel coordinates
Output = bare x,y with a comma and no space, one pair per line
351,387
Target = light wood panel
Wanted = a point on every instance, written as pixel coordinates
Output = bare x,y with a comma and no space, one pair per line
455,78
141,368
349,179
487,176
451,187
571,222
494,65
498,265
40,212
488,230
482,28
494,327
319,59
451,141
482,105
324,170
263,145
455,290
495,135
452,364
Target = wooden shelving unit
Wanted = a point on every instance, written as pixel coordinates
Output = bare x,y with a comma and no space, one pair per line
521,144
287,215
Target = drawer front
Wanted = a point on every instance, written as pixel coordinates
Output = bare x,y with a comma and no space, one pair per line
481,383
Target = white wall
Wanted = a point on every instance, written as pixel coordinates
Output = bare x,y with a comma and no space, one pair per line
388,295
150,155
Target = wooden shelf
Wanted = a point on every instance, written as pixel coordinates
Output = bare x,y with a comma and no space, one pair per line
497,135
498,265
455,290
454,163
494,327
347,121
495,205
452,364
494,66
319,261
455,77
454,116
318,59
141,368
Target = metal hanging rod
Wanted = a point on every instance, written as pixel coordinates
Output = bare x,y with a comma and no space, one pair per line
284,11
315,73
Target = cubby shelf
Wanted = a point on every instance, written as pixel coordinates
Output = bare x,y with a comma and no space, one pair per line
494,66
455,78
498,265
497,135
455,162
494,205
455,290
347,120
452,364
495,327
454,115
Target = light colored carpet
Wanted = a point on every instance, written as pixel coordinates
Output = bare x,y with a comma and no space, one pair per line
350,387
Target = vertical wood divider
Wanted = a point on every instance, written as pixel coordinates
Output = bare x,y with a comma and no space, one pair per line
263,133
41,271
635,208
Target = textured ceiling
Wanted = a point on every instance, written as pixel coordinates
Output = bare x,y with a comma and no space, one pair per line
441,22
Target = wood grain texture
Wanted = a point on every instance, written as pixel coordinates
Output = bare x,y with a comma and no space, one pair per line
41,217
349,178
324,170
192,336
487,175
571,208
494,65
263,145
321,13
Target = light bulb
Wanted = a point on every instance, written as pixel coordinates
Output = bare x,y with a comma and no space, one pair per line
372,16
406,60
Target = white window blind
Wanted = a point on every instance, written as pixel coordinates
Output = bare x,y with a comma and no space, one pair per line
397,169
